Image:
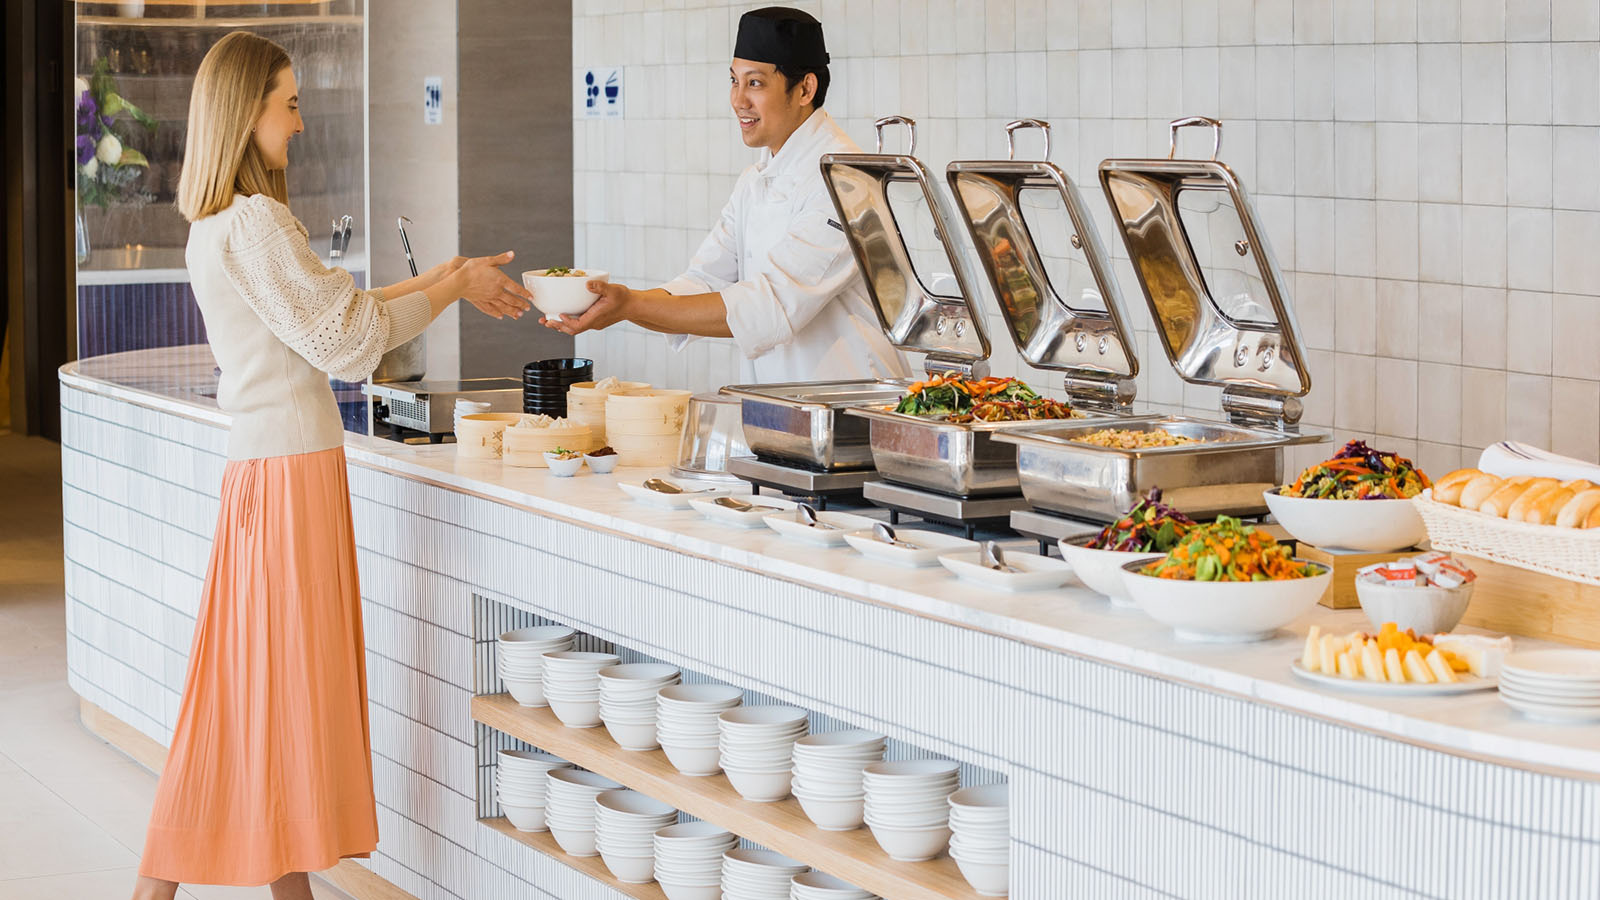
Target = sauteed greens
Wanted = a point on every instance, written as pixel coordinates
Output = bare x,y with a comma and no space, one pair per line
992,399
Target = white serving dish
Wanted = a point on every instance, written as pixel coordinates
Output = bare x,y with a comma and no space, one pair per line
1101,570
759,787
1467,684
563,468
630,869
989,878
524,818
601,465
910,844
1427,610
691,760
526,691
558,295
1036,573
632,736
929,544
576,842
1581,667
575,713
708,507
830,814
1225,611
691,491
1373,526
787,525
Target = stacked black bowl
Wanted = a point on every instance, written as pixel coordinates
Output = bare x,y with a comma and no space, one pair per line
545,383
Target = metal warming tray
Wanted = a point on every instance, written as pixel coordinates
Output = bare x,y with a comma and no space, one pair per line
1220,309
1060,305
798,423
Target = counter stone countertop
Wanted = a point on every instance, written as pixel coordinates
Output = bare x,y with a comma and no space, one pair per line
1072,620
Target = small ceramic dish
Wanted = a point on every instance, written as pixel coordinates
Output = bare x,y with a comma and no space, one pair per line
829,532
754,518
645,495
926,546
1033,572
563,468
601,465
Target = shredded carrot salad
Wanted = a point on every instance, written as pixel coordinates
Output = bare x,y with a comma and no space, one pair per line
1228,550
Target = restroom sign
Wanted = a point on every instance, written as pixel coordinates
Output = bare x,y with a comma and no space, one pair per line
600,93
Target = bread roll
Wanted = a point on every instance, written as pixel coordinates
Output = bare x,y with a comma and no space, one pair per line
1499,502
1479,489
1594,518
1448,489
1576,513
1543,510
1579,485
1537,488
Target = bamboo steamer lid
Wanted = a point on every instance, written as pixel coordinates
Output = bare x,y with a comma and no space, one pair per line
585,392
481,435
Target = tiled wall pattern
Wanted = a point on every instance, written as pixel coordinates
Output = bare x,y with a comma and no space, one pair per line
1124,785
1426,172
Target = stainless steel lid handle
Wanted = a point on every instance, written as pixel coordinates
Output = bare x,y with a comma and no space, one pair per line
1011,130
907,121
1216,134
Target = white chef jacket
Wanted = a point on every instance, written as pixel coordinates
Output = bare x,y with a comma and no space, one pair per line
796,303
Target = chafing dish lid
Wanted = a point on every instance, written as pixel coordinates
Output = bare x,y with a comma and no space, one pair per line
1216,294
900,232
1046,263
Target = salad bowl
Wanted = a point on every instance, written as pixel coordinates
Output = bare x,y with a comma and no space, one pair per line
1146,531
1360,499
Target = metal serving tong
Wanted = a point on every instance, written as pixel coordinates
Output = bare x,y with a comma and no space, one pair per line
340,241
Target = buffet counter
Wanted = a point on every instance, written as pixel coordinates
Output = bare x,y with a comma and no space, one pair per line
1140,765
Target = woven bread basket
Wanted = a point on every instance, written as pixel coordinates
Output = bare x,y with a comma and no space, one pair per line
1570,553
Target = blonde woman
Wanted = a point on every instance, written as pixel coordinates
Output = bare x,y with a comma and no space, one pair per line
269,774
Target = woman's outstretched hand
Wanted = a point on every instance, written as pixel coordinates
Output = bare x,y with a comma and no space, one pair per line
480,282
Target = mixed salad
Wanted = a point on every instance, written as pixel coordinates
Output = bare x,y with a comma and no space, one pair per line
1359,472
1150,527
568,271
1229,550
991,399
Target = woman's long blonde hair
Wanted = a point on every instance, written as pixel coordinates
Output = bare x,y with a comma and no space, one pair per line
219,157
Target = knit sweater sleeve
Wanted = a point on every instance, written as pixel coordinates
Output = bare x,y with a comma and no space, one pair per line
316,311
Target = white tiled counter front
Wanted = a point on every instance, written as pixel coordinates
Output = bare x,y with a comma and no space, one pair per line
1140,766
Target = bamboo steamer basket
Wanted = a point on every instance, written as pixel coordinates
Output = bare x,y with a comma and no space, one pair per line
527,446
482,435
587,404
644,425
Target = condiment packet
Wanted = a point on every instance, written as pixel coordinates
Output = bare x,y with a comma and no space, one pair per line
1453,574
1428,563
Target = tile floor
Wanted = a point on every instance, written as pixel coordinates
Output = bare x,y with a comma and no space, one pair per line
72,807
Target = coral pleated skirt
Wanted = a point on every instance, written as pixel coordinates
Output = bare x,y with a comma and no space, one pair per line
270,769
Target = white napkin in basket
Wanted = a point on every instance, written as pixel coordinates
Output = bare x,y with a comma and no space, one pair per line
1509,458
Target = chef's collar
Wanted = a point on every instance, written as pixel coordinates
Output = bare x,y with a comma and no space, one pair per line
799,152
781,36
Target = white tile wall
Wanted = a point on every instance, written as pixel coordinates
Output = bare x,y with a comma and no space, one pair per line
1438,156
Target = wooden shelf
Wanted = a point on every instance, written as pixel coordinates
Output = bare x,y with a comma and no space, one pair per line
591,866
782,826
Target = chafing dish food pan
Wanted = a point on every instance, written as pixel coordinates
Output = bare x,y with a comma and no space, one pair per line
962,459
1225,472
1221,312
876,195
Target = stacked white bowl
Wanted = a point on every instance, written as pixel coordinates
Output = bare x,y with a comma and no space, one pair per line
908,806
570,809
815,885
757,747
628,702
520,659
686,724
625,826
758,874
980,837
827,776
689,860
572,685
520,785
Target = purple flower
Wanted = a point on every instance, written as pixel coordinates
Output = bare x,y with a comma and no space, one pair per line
88,110
85,145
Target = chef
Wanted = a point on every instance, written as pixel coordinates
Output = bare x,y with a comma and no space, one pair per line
775,273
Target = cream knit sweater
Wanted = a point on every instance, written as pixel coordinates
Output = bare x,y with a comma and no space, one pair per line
280,322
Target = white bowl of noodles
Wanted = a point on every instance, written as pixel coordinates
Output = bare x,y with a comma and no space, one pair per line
559,291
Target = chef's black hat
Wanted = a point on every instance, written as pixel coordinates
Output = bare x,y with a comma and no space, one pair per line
781,36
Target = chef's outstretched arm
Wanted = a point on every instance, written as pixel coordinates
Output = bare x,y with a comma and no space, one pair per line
704,315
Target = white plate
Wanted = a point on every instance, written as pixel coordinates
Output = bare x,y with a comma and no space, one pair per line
644,495
1468,684
787,525
1037,572
1567,666
1549,712
929,544
1593,701
708,507
1375,526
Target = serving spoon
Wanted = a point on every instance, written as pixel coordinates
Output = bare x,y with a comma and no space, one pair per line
662,486
886,534
992,557
737,505
806,514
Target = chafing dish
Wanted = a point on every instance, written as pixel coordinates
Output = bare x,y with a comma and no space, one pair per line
1058,300
1221,312
876,194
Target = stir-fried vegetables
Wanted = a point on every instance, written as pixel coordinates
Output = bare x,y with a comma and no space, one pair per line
991,399
1359,472
1150,527
563,270
1228,550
